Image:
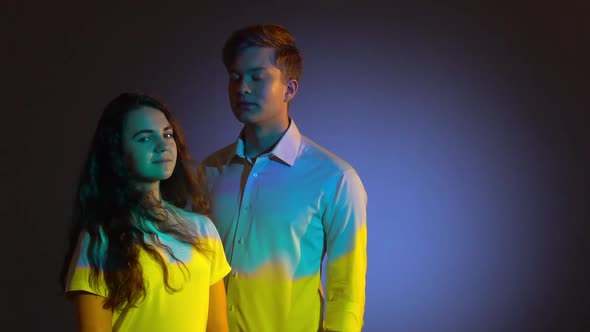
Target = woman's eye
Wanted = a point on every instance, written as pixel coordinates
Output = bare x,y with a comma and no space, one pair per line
169,135
144,139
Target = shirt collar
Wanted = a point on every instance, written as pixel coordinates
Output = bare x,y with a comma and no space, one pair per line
286,148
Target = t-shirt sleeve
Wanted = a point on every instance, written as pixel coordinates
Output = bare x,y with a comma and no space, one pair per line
219,265
78,278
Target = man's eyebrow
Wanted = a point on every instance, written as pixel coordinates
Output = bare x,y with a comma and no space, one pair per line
232,70
256,69
149,131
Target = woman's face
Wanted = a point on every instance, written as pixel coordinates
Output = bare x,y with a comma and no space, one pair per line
149,147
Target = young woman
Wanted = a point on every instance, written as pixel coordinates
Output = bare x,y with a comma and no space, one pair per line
143,254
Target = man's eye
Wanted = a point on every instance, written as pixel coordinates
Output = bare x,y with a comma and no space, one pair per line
256,77
234,77
144,139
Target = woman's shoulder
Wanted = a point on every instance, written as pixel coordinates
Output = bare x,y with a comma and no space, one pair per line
202,223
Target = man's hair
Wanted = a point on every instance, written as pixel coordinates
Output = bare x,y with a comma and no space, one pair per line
287,57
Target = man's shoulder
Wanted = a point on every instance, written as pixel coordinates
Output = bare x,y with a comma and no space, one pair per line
321,155
221,156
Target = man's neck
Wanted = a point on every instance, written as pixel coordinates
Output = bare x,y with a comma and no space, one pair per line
261,139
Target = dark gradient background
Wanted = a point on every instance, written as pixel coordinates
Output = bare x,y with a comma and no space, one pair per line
468,123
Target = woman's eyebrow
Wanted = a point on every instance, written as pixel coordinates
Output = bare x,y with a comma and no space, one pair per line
149,131
143,131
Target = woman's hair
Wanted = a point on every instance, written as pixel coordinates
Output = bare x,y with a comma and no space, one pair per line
117,217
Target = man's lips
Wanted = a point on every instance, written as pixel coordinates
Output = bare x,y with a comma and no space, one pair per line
246,105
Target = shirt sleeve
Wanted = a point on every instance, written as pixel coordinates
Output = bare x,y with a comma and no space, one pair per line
219,265
346,244
79,271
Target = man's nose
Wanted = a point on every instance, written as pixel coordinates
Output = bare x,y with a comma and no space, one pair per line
243,87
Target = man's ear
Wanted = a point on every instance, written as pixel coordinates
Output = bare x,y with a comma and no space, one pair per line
292,87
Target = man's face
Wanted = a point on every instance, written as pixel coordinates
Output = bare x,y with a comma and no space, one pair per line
149,146
257,93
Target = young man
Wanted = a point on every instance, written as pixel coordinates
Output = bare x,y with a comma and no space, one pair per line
281,202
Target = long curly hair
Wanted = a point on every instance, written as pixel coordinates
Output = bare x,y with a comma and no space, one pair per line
117,217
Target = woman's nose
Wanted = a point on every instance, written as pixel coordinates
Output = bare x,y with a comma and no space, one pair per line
161,146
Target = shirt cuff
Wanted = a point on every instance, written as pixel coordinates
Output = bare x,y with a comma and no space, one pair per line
343,321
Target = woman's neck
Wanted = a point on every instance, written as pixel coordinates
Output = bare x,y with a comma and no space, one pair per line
151,191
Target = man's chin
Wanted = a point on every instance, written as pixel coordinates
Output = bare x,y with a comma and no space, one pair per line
245,117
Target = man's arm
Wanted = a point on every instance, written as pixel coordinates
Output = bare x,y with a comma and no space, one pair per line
346,240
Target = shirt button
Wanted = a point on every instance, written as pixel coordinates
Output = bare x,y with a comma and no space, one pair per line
231,307
234,274
255,175
240,241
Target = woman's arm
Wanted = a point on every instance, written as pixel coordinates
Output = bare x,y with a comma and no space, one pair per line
217,318
91,315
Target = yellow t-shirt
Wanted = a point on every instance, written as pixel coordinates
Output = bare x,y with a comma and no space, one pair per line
162,310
